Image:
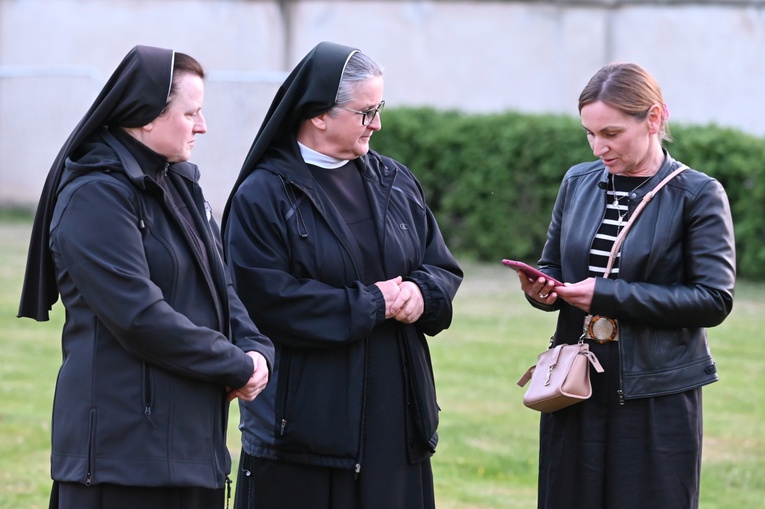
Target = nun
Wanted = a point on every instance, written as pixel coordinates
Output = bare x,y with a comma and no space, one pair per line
155,342
339,261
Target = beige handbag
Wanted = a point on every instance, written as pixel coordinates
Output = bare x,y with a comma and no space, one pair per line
561,376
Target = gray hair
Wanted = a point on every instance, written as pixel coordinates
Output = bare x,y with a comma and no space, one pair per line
359,68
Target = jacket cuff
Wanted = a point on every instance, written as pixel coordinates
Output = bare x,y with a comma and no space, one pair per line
246,372
379,301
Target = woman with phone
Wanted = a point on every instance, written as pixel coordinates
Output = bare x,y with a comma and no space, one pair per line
638,438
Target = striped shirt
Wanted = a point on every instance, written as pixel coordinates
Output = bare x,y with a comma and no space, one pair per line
616,217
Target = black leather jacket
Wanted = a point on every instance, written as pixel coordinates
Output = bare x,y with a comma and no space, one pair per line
676,274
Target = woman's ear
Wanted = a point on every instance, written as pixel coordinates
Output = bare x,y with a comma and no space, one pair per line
654,119
139,132
320,121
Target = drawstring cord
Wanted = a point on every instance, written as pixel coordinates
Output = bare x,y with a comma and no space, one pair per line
299,221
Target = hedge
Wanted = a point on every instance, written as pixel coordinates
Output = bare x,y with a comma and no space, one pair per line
491,179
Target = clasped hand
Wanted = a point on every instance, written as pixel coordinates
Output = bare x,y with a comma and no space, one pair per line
257,381
403,299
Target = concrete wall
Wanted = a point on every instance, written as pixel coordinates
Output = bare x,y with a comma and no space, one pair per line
476,56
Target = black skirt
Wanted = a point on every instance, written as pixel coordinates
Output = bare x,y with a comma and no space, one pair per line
267,484
600,454
66,495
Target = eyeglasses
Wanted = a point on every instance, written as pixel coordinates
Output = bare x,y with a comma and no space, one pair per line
367,116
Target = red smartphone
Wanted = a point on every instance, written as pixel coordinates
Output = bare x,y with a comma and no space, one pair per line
530,271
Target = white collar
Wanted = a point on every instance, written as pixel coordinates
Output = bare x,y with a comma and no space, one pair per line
315,158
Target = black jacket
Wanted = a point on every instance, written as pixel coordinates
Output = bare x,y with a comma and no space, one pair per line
676,275
295,267
153,336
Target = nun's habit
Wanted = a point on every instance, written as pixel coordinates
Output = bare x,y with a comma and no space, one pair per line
135,95
309,90
154,334
350,417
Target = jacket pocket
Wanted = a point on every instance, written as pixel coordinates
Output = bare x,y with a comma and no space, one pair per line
422,385
319,403
282,394
148,392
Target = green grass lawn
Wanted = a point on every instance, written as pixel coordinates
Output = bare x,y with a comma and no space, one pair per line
487,457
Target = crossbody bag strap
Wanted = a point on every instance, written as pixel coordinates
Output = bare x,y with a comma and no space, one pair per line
648,197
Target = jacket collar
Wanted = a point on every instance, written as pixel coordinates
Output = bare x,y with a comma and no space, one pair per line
140,162
287,161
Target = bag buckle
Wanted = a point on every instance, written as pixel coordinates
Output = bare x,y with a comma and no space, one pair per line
601,329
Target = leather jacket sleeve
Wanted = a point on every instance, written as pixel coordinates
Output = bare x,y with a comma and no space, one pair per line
687,277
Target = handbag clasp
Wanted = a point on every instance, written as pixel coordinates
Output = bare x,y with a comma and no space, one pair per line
549,374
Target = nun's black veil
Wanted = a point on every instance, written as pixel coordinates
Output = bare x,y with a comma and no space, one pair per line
135,94
309,90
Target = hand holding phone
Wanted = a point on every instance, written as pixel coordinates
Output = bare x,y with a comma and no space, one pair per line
530,271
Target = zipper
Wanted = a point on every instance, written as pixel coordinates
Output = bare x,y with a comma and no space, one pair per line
620,392
285,395
208,217
384,230
196,248
387,199
141,214
91,446
362,424
221,269
287,185
147,390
